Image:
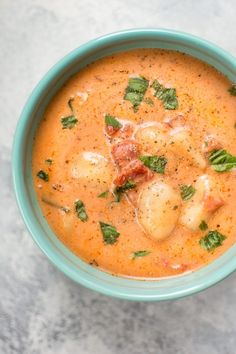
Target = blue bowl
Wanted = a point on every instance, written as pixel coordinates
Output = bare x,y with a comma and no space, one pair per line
67,262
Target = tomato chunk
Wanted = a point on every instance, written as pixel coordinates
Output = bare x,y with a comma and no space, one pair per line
125,154
211,143
212,203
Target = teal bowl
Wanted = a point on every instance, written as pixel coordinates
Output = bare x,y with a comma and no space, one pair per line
67,262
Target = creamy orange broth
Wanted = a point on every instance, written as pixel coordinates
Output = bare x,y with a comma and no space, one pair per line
207,108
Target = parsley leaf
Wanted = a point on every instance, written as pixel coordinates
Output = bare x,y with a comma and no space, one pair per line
109,232
112,121
48,162
187,191
135,91
155,163
140,254
222,161
103,194
232,90
212,240
68,122
118,191
166,95
80,210
43,175
203,225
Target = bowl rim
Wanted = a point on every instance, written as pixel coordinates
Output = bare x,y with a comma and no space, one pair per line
21,198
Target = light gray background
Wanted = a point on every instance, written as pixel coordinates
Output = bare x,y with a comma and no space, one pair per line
41,311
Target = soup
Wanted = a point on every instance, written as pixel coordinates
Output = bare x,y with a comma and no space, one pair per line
134,164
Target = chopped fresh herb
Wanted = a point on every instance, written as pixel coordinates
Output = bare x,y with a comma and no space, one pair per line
155,163
80,210
55,205
203,225
118,191
232,90
187,191
149,101
43,175
222,161
48,162
112,121
166,95
212,240
103,194
68,122
135,91
140,254
109,232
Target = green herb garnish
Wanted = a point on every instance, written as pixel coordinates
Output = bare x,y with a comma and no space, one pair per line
68,122
203,225
140,254
166,95
112,121
135,91
119,191
43,175
155,163
212,240
222,161
80,210
48,162
232,90
104,194
109,232
187,191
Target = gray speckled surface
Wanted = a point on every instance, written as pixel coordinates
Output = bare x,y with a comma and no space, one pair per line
41,311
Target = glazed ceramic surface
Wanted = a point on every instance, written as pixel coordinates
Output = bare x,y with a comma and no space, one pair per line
71,265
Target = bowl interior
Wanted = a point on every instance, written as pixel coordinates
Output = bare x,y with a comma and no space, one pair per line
22,150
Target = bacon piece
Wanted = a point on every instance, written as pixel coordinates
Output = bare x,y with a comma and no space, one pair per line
111,130
212,203
134,170
211,144
125,154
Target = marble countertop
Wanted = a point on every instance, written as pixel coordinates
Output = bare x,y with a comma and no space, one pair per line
41,311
